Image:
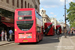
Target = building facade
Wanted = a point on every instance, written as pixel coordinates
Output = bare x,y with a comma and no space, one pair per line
63,25
11,5
7,9
55,22
44,16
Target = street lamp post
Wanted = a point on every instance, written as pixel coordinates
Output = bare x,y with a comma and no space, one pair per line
65,19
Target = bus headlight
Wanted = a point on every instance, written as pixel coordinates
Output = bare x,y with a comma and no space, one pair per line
20,18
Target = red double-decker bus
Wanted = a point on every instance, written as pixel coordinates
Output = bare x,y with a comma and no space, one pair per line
58,29
28,25
49,28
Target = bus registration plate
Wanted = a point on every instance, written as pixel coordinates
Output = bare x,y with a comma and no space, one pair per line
25,40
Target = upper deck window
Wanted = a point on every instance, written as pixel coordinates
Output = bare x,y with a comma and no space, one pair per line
28,17
38,16
24,13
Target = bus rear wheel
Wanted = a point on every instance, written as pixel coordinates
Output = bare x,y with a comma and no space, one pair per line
42,37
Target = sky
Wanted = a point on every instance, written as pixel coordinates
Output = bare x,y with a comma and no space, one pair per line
55,8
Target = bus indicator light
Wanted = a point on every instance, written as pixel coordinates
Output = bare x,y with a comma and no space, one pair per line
15,29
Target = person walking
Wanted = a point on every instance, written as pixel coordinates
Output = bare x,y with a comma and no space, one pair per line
2,35
5,35
10,34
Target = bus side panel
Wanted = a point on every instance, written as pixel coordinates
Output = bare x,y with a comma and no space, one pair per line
51,29
60,30
39,34
50,32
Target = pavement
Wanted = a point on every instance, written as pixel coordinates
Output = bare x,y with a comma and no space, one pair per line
66,43
5,42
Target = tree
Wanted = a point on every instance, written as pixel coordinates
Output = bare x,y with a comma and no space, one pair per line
71,14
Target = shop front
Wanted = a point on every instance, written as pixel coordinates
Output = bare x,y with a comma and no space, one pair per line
6,24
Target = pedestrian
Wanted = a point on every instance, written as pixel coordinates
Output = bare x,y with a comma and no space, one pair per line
5,35
44,31
10,34
69,32
72,32
2,35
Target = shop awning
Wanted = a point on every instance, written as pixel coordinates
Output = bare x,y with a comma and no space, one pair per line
8,24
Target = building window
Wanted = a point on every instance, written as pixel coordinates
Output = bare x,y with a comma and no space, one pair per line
44,19
7,1
17,3
1,0
31,6
21,3
25,4
13,2
28,5
35,6
42,12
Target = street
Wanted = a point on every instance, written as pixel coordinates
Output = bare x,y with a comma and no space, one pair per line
48,43
28,20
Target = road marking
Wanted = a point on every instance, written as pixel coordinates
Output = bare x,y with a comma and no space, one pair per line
60,44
